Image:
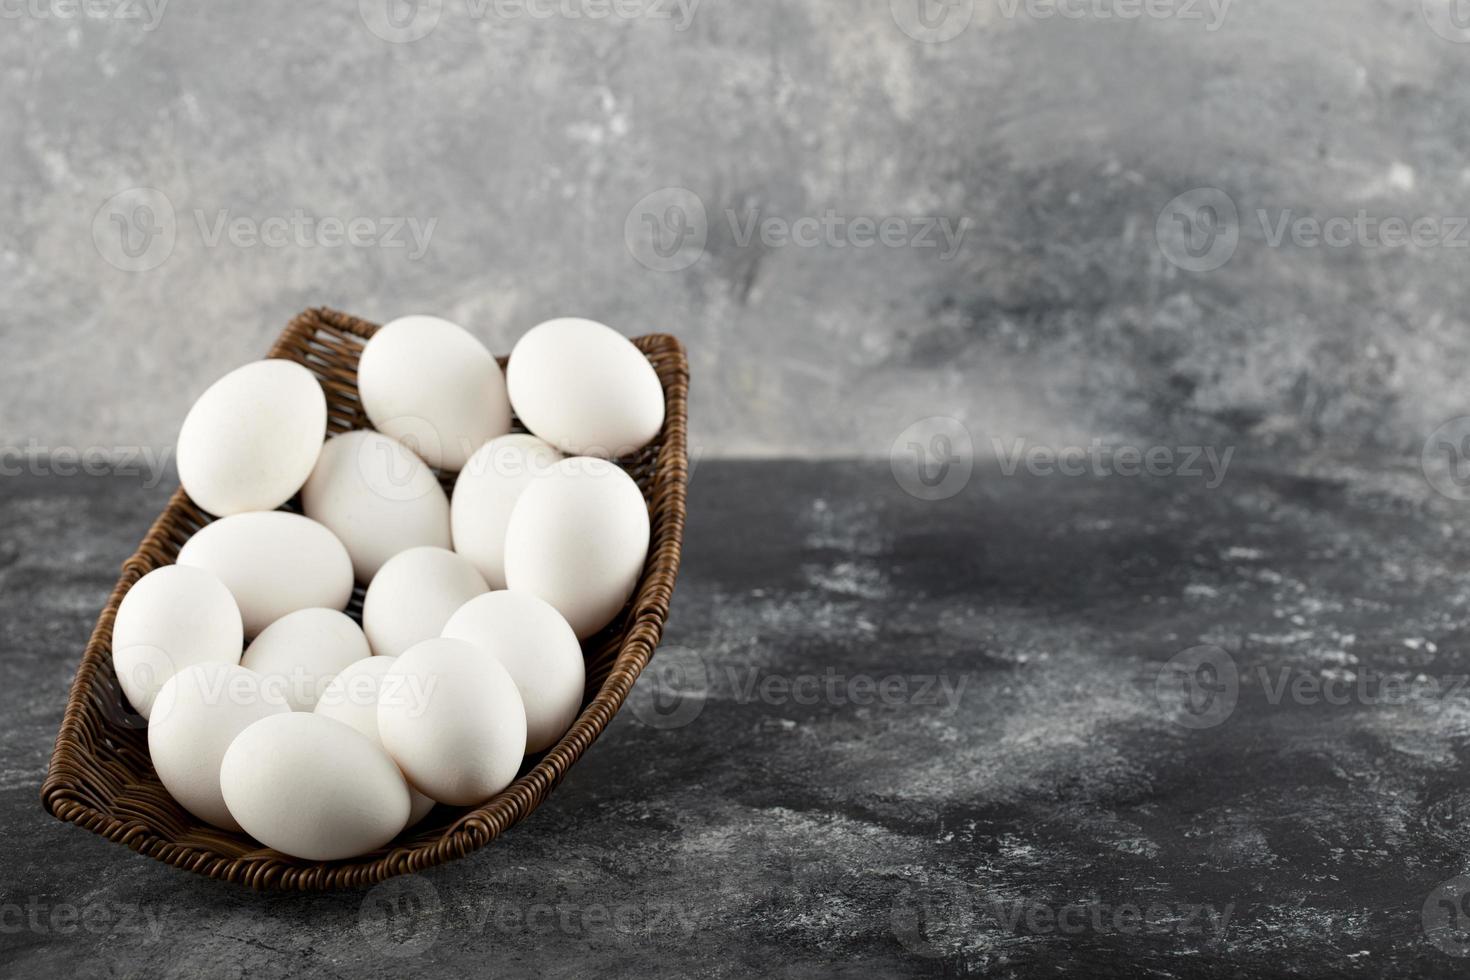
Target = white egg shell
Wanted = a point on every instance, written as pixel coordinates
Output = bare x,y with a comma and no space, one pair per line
413,596
172,618
584,388
452,719
301,652
485,492
352,698
539,651
313,787
429,383
274,563
251,439
195,718
378,497
578,538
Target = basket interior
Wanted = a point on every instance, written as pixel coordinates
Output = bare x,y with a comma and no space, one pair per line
102,778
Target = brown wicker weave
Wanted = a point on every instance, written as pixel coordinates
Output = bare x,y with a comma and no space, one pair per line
101,777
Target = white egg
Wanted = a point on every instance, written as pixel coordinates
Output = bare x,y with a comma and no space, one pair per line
252,438
301,652
172,618
485,492
452,719
313,788
352,698
584,388
539,651
578,538
413,596
378,497
274,563
432,385
197,715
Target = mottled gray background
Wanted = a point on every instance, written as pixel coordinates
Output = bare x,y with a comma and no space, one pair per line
591,166
531,142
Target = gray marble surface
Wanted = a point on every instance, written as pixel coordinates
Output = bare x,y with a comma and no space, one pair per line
539,154
887,736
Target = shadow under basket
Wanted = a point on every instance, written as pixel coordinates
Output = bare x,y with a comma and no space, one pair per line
101,777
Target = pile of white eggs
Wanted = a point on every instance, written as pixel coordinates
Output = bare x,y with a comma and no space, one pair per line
323,739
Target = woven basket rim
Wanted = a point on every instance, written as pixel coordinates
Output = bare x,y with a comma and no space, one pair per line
75,755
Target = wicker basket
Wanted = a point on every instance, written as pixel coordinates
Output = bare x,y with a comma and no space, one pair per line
101,777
